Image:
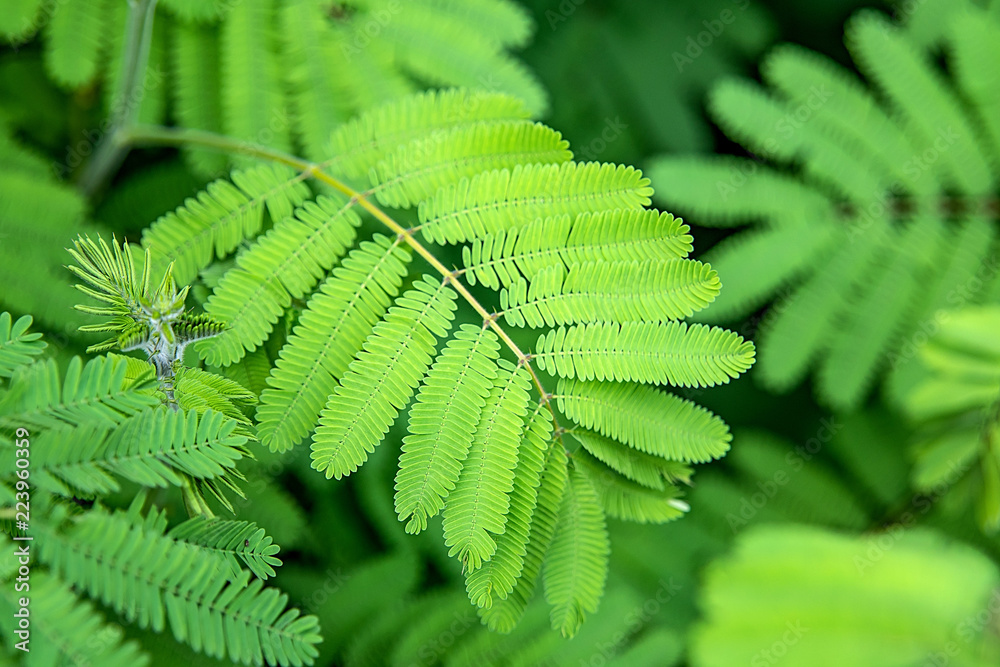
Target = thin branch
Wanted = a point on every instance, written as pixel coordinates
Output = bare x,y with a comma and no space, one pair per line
111,150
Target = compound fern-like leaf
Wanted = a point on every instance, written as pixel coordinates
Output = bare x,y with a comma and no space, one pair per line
443,422
477,509
576,565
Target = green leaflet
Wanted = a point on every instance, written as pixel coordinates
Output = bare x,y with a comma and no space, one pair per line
199,390
479,505
576,566
75,37
646,418
232,540
382,377
498,577
502,257
649,470
330,332
648,291
442,424
672,353
499,200
175,583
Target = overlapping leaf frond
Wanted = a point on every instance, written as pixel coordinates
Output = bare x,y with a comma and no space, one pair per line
888,215
443,423
477,509
181,585
649,470
330,332
234,542
498,577
67,626
505,613
96,392
156,448
624,499
577,564
381,379
284,264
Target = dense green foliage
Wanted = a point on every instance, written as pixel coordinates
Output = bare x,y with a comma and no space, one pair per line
447,389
